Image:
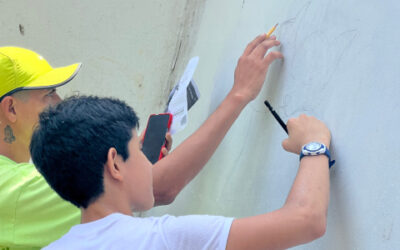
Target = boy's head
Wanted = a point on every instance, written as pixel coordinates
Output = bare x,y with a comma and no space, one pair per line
87,148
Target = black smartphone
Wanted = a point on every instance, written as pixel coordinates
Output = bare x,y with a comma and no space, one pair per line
154,136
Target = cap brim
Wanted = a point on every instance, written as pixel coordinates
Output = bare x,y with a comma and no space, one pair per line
55,78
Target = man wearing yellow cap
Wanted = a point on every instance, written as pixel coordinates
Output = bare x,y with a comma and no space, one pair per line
31,214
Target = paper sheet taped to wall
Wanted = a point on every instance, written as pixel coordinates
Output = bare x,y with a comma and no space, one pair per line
182,97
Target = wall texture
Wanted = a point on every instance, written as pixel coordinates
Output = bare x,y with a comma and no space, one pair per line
341,64
131,50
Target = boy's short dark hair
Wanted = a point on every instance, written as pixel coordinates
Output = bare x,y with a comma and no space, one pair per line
69,147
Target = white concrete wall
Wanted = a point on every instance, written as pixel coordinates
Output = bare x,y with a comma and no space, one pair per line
129,49
341,64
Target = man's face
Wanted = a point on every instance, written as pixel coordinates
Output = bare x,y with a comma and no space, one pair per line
139,178
29,107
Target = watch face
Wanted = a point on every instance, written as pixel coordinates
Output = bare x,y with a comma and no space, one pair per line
313,146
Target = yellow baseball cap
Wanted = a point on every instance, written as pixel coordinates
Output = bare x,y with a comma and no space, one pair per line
25,69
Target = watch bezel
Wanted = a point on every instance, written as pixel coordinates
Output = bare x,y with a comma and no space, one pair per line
320,150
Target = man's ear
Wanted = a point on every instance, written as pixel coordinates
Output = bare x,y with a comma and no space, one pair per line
7,106
112,166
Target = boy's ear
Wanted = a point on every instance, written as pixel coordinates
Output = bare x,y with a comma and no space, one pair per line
112,165
7,106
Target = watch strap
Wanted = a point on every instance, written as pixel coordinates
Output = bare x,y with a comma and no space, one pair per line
327,153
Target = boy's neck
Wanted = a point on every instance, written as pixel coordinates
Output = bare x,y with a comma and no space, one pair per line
103,207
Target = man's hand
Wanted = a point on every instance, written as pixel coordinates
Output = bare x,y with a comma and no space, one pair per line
252,67
168,144
303,130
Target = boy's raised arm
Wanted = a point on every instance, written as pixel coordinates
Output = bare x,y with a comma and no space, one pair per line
177,169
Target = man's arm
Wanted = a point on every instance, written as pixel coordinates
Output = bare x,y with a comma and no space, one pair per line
303,216
177,169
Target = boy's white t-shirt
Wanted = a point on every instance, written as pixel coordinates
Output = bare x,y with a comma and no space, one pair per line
118,231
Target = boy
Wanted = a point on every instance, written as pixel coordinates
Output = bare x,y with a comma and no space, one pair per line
88,150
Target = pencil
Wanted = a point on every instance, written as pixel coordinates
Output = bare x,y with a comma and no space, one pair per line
283,125
271,30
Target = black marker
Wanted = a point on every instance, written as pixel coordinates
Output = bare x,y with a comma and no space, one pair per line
283,125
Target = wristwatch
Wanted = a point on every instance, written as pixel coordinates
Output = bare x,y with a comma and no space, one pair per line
316,148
